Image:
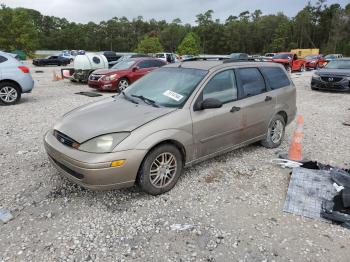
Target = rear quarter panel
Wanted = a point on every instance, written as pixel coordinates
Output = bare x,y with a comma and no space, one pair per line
10,71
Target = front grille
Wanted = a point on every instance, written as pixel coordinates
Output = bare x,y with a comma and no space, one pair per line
95,77
331,79
66,140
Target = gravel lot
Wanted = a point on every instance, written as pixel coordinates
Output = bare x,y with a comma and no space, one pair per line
225,209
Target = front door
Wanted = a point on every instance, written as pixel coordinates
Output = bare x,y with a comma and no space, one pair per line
217,129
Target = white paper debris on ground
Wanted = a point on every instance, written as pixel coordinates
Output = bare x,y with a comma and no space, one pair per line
5,215
181,227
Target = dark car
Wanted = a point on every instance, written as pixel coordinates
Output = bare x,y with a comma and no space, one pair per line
334,76
121,75
111,56
52,60
314,61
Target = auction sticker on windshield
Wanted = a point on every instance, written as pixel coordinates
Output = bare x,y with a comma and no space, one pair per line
173,95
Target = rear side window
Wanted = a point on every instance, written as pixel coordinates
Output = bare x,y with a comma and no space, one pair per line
222,87
160,56
252,82
145,64
275,77
2,59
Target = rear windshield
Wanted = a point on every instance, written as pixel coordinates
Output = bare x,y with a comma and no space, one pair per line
338,64
311,57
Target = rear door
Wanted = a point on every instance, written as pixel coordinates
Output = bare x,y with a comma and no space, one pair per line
257,104
215,130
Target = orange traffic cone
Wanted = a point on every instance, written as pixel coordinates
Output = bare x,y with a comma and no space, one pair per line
56,77
295,150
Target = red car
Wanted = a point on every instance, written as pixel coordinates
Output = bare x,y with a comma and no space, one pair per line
290,61
122,74
315,61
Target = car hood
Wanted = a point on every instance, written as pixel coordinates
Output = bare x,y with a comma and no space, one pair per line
107,116
338,72
108,71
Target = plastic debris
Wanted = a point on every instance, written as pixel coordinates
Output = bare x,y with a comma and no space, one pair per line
180,227
5,215
285,163
337,187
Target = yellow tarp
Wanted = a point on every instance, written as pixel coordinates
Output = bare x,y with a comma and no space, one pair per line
301,53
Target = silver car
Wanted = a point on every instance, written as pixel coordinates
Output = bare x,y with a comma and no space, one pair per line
172,118
15,79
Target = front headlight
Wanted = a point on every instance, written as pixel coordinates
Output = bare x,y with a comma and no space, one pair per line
110,77
104,143
316,75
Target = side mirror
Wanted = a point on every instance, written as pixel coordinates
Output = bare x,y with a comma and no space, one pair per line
208,103
134,69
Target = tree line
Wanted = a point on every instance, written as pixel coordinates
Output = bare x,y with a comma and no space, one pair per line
317,25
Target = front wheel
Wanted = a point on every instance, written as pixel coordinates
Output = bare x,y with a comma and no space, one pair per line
302,68
275,132
123,84
10,94
160,169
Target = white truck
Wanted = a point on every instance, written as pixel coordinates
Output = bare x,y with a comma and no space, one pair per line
83,66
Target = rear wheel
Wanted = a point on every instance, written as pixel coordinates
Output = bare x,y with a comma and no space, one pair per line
123,84
160,169
275,132
10,93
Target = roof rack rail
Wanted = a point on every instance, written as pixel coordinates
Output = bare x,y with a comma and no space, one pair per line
203,58
233,60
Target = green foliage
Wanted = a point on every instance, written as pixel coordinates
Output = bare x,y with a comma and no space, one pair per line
190,45
316,25
17,30
149,45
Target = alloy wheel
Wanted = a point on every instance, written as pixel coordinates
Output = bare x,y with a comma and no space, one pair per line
123,84
163,170
276,131
8,94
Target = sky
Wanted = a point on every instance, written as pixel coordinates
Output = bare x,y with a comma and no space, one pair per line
84,11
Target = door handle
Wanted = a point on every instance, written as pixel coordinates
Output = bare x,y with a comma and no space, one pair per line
268,98
235,109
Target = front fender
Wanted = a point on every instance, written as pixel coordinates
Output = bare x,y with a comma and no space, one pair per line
180,136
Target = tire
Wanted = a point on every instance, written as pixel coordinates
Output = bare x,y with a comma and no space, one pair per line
288,68
10,93
270,141
302,68
153,176
123,84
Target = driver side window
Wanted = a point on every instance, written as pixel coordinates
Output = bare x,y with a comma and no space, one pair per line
221,87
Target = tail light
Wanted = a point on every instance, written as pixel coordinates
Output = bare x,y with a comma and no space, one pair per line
24,69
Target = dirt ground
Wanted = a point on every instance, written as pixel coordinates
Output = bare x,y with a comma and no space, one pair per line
225,209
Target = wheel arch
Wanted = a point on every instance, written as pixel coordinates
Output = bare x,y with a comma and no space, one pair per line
284,115
12,82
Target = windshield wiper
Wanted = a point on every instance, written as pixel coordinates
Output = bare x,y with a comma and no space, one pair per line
146,100
129,98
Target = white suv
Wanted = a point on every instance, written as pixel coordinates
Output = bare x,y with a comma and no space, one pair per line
167,57
15,79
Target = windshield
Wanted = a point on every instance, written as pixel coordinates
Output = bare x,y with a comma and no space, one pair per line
311,57
282,56
338,64
168,87
123,65
330,56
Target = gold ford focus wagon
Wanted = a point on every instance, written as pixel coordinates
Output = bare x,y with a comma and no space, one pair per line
172,118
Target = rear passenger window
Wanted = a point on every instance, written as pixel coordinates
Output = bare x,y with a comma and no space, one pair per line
222,87
145,64
276,77
251,81
2,59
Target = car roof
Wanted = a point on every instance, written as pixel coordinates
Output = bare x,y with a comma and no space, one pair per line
144,58
218,64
